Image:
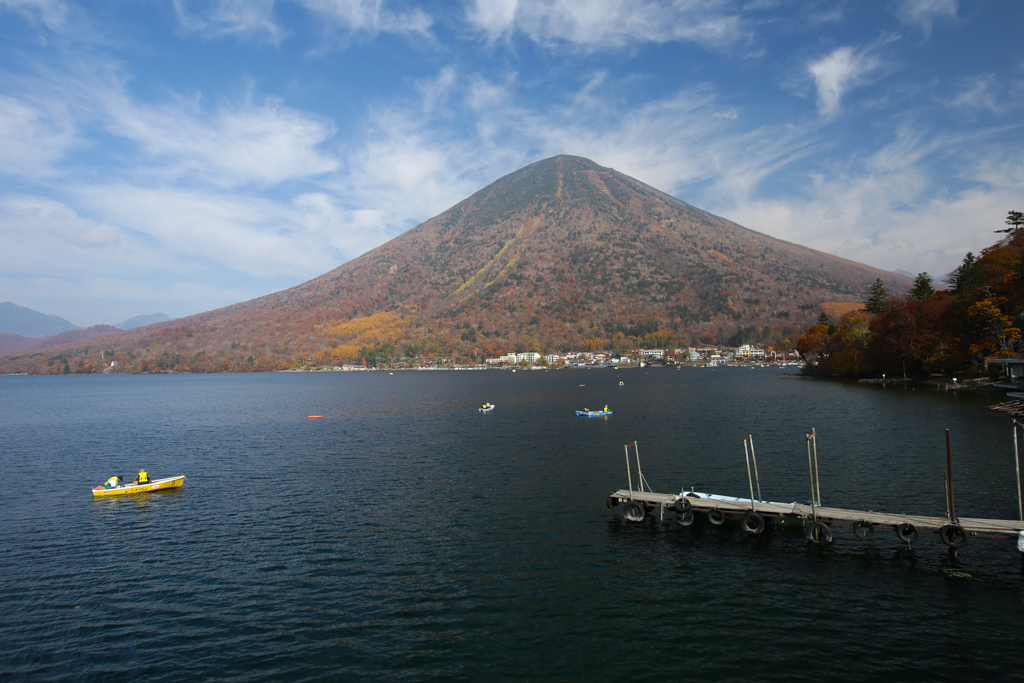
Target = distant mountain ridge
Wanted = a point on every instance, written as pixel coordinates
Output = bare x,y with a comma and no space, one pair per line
560,254
142,321
23,321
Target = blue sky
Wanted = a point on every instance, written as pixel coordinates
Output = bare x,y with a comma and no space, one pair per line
179,156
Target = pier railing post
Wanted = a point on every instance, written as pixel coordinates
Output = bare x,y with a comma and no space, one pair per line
1016,461
753,457
746,456
629,472
949,465
817,481
810,469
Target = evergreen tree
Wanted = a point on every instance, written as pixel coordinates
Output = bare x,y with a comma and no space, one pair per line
823,319
968,276
922,289
878,298
1014,219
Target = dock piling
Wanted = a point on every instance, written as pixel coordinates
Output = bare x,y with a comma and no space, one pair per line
949,464
1016,461
750,481
757,479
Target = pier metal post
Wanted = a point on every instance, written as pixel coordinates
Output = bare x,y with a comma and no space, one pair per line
753,457
746,456
1016,461
629,472
810,469
639,472
817,481
949,465
945,485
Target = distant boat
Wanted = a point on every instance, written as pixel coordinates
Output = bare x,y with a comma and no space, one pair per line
593,413
128,489
621,384
487,407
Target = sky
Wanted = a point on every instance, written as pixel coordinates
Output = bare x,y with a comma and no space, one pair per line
178,156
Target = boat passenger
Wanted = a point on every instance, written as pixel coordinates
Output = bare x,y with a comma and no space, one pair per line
143,478
606,409
113,482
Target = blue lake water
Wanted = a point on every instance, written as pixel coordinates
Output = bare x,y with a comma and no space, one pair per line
405,536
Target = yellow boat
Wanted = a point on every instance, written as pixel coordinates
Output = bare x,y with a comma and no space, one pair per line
129,489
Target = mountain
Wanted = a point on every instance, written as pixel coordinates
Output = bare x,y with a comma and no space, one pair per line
16,343
28,323
142,321
560,254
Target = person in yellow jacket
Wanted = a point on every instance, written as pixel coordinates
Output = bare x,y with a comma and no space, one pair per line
113,482
143,478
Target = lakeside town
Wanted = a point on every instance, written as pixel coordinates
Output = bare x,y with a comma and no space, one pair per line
698,356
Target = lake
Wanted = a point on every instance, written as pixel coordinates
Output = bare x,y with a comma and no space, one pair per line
405,536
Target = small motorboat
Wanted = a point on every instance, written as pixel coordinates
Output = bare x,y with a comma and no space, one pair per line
488,407
129,489
593,413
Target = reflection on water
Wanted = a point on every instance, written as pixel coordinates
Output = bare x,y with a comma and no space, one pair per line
407,536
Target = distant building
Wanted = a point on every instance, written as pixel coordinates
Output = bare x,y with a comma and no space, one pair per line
531,357
653,353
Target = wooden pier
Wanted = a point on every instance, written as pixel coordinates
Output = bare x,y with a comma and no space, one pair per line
640,505
754,514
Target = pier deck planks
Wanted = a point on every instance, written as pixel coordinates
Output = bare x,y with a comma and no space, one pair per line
973,526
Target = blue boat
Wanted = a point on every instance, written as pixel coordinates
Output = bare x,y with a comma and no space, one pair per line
594,413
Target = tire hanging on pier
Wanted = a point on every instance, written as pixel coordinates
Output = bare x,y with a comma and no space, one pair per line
716,517
682,505
907,532
633,512
685,519
863,530
752,522
954,536
819,533
612,501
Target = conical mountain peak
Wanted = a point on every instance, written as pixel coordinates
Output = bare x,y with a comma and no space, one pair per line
560,254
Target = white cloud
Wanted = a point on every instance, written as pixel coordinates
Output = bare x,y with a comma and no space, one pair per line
264,143
838,72
923,13
369,16
254,19
35,137
609,24
52,13
244,18
979,92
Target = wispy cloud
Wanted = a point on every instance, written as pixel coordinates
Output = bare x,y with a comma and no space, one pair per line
924,13
35,137
248,19
51,13
255,20
369,17
836,73
610,24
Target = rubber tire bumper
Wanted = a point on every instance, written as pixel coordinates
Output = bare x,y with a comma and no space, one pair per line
716,517
863,530
907,532
752,522
682,505
954,536
685,519
612,501
633,512
818,532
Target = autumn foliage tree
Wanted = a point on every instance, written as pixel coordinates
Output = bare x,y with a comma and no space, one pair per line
981,316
